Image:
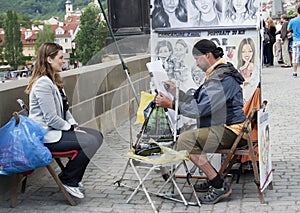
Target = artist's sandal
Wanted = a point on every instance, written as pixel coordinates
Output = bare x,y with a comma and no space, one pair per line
215,195
202,187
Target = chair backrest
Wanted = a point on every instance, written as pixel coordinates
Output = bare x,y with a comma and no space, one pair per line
251,119
253,102
249,123
24,111
246,129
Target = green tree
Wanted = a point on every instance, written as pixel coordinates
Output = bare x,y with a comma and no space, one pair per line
2,18
13,47
1,53
43,9
24,20
92,34
44,35
291,12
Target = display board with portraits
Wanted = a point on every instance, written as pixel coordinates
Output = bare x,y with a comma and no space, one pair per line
264,144
240,47
203,13
233,25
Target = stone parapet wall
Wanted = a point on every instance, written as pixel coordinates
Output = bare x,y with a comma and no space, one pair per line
99,96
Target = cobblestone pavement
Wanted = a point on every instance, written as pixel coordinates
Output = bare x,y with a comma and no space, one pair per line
282,92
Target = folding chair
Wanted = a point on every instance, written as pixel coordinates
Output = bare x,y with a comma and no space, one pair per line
234,152
253,102
168,159
22,177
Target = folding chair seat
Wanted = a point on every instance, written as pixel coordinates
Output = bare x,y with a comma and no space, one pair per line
158,126
144,166
234,152
22,177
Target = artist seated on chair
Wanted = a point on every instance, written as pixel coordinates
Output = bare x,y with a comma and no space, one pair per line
218,107
48,106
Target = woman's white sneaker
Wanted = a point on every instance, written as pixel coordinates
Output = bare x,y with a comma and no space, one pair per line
75,191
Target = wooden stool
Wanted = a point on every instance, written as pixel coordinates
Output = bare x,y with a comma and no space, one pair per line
22,177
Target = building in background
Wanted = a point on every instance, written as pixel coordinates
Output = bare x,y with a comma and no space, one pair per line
64,33
289,5
272,8
275,8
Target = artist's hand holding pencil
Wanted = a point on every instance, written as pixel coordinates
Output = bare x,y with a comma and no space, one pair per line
162,100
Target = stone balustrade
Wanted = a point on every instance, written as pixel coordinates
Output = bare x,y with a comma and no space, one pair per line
99,96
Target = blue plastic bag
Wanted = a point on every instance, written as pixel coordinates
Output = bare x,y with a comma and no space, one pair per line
21,146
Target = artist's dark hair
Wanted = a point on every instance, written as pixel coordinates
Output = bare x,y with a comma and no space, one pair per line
207,46
218,52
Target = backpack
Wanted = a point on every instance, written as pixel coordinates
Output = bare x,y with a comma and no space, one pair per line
267,38
157,127
272,38
289,35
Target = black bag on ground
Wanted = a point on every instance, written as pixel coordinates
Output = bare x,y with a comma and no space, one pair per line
147,149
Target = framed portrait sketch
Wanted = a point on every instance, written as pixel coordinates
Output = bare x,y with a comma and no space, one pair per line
264,144
175,52
203,13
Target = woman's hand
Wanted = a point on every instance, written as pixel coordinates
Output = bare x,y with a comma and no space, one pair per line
77,129
163,101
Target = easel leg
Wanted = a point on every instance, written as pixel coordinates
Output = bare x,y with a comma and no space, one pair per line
141,184
188,177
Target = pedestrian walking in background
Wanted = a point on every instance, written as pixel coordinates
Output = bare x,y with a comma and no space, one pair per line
294,26
271,30
277,47
285,42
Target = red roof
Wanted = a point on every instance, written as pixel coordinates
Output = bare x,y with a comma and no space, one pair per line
29,36
70,24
